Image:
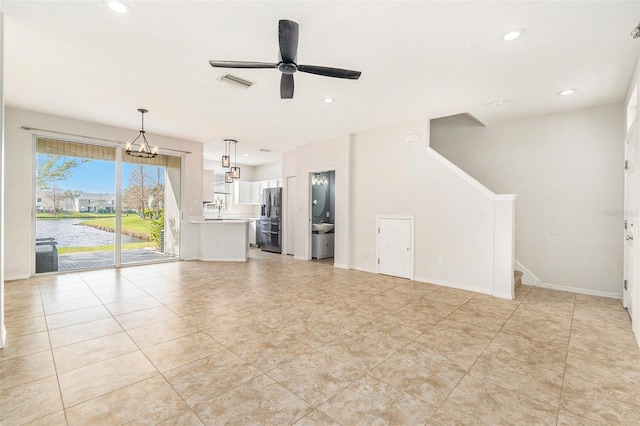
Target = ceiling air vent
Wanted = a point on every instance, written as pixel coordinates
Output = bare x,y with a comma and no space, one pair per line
264,150
235,81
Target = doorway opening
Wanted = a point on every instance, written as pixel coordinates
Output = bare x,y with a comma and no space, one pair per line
323,212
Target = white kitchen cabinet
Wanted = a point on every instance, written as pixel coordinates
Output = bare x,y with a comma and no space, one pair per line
322,245
243,192
252,233
207,185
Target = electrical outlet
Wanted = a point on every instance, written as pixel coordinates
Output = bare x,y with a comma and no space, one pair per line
328,214
426,258
440,260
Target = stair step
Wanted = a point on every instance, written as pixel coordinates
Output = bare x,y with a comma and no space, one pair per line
517,278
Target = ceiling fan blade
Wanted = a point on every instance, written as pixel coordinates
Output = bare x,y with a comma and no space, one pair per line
286,86
330,72
241,64
288,38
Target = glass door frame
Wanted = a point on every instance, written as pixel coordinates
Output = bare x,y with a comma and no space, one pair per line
119,150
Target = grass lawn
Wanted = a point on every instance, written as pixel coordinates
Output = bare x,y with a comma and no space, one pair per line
108,247
131,225
47,216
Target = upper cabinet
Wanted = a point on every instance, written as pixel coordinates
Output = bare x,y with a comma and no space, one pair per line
251,192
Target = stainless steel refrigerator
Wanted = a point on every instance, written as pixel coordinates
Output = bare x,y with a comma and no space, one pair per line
268,231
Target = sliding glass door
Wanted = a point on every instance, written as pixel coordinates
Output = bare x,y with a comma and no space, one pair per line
83,222
150,209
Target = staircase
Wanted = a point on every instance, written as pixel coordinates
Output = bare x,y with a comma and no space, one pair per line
517,279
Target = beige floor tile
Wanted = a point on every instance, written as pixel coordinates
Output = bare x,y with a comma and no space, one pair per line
208,377
551,355
612,403
462,332
148,402
241,331
62,296
153,334
315,377
21,312
536,383
22,326
462,354
568,419
182,350
538,330
493,305
389,332
440,418
260,401
186,418
271,350
66,319
30,401
370,401
55,419
316,331
18,346
83,331
477,402
110,294
358,351
24,369
71,305
145,317
97,379
315,418
451,296
132,305
470,316
424,374
91,351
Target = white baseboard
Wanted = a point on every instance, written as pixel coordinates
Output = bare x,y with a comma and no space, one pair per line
582,291
371,271
3,337
341,266
230,259
454,285
296,257
17,277
500,295
528,277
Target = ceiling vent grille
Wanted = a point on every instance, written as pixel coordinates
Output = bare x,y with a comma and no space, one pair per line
264,150
235,81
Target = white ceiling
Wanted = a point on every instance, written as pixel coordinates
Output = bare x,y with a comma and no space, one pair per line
418,60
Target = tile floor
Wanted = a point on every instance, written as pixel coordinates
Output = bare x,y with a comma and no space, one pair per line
279,341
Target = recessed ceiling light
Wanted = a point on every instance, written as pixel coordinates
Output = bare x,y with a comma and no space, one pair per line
498,103
245,155
567,92
118,6
513,35
328,100
249,161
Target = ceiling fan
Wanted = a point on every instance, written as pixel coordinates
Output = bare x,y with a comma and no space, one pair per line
288,40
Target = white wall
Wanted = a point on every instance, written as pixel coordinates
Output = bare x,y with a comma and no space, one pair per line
454,219
333,154
567,172
3,331
378,173
268,171
19,162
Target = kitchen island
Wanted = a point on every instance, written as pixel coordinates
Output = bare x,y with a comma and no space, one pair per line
221,240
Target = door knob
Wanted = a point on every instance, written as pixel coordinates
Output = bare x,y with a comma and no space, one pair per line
629,237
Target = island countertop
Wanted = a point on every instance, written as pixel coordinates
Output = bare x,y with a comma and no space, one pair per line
222,239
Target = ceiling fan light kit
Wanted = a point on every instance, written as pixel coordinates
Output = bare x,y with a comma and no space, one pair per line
288,33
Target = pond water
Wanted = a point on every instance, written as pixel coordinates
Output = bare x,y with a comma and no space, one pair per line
68,233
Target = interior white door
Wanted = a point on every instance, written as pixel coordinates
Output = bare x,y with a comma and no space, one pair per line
630,209
291,209
395,247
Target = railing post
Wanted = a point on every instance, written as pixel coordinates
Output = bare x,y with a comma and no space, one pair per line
503,243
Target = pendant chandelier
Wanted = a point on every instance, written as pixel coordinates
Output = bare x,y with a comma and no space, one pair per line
145,150
234,172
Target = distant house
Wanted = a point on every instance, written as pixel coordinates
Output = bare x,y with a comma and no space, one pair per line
47,202
94,203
